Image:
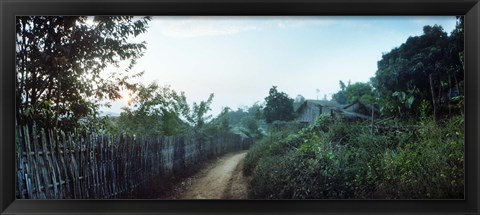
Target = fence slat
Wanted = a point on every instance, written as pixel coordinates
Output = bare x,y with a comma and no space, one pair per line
56,165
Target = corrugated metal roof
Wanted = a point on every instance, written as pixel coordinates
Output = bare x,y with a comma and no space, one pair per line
353,114
324,103
333,105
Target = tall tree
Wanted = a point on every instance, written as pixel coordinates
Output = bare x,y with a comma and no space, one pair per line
423,68
279,106
456,71
59,64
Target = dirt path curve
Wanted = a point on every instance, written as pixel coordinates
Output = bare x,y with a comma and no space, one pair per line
222,179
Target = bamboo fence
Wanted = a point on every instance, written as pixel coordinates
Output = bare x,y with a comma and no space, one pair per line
54,165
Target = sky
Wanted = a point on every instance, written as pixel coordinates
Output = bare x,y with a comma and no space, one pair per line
240,58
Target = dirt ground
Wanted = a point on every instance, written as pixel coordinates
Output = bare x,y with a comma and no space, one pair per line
222,179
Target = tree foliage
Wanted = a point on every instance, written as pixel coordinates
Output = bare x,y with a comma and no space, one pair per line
251,128
155,110
427,67
59,65
198,116
341,96
278,106
358,91
299,100
222,121
246,120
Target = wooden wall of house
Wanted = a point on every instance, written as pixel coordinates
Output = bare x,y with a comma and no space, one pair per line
309,113
327,111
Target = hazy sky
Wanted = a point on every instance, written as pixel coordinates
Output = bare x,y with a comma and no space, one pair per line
240,58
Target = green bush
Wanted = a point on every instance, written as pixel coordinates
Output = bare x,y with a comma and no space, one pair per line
430,167
333,159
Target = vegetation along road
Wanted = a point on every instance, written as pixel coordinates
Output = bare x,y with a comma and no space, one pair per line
222,179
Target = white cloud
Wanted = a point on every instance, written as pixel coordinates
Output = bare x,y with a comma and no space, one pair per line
296,22
204,30
188,27
202,26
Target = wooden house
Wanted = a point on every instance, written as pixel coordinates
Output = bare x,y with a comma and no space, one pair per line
311,109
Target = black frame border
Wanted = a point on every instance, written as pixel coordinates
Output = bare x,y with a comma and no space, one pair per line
11,8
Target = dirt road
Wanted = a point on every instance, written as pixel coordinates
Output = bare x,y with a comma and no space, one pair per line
222,179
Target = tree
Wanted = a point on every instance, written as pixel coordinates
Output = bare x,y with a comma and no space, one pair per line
362,92
340,97
222,121
423,68
456,71
198,117
299,100
59,65
256,110
278,106
250,127
235,117
155,111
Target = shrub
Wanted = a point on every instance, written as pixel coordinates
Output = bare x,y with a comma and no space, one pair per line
333,159
430,167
